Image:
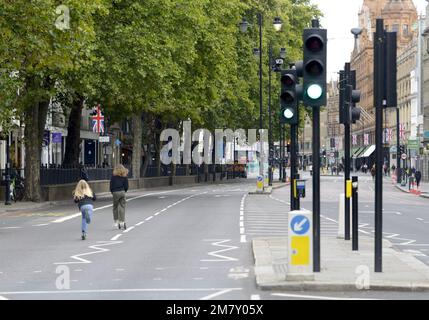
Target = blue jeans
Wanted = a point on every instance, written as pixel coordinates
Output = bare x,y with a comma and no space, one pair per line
88,208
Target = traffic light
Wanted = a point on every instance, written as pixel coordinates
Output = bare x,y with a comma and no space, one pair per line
355,111
289,97
314,67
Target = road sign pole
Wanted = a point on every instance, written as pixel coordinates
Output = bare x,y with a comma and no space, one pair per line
355,216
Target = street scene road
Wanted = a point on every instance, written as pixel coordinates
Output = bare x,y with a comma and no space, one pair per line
180,244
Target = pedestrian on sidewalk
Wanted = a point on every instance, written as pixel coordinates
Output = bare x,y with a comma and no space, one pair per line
373,172
418,176
84,197
118,188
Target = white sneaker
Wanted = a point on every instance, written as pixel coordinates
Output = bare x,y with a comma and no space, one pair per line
115,224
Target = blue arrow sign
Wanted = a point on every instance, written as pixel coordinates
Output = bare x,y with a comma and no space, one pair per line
300,225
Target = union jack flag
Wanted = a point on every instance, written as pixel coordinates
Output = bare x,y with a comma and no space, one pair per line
98,121
402,131
388,135
366,139
354,139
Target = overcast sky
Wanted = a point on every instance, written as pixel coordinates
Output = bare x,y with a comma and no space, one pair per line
340,16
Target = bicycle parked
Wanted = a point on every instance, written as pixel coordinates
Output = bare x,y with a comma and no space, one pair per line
17,189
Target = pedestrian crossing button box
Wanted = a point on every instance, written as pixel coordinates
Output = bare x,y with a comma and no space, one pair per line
300,187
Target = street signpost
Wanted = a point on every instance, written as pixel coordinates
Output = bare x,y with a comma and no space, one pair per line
300,246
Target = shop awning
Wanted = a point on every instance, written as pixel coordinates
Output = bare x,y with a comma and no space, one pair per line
368,151
357,152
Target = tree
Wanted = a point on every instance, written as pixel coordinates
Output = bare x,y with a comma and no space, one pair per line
42,41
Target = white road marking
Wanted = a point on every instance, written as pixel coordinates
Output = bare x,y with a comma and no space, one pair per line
241,230
3,298
64,219
41,225
420,219
219,293
98,247
116,237
243,238
37,271
78,270
241,224
313,297
8,228
255,297
219,243
140,223
198,279
149,218
129,229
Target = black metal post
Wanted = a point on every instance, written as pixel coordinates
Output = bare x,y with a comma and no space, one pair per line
379,83
7,173
398,145
355,216
293,155
316,189
270,138
261,159
347,73
284,153
280,152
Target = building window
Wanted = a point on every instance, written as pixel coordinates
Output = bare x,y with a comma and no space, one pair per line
395,28
405,30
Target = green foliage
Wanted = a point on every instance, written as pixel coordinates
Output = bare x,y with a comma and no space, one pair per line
175,60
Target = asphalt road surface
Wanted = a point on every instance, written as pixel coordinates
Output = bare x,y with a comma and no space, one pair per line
181,243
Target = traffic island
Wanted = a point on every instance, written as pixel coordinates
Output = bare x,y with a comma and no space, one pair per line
341,268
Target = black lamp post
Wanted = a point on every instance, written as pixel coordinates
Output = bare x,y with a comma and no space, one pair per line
277,24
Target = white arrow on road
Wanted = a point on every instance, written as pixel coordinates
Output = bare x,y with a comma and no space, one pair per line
298,226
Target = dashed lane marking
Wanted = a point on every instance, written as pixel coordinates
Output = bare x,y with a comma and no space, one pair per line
255,297
3,298
116,237
64,219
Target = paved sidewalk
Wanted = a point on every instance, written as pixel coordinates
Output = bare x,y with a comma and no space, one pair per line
423,190
341,268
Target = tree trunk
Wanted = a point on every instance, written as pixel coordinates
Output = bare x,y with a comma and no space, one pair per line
137,126
35,119
147,156
71,156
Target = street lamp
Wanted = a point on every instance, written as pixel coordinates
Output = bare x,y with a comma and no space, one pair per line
277,24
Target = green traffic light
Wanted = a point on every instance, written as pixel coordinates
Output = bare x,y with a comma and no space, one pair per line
314,91
288,114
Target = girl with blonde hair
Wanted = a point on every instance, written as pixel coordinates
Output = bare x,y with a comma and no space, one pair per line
84,197
118,188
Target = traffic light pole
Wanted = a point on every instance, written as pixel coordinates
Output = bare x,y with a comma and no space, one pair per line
316,189
347,158
261,158
379,48
293,158
280,152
